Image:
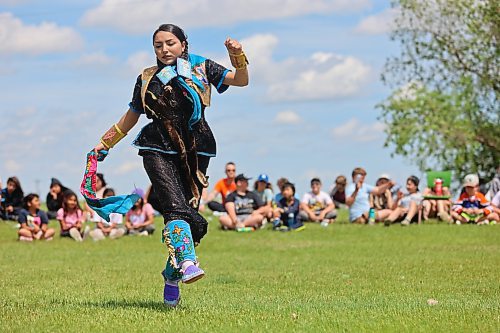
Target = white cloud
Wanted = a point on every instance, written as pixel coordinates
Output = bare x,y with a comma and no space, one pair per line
140,60
16,37
355,131
287,117
329,80
408,91
141,16
380,23
94,59
326,76
11,166
47,37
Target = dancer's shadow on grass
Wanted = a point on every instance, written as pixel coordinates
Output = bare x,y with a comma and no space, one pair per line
131,304
122,303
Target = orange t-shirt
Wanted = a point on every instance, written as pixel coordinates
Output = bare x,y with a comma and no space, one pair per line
224,188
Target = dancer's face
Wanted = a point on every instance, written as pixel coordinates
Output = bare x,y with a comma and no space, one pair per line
168,47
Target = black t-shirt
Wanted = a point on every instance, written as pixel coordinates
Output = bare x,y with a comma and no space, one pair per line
245,204
154,136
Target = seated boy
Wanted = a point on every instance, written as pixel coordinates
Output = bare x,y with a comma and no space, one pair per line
472,206
317,206
287,211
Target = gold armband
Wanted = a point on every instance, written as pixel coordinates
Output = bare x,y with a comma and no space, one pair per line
112,137
239,61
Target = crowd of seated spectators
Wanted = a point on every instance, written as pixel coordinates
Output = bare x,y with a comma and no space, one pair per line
243,208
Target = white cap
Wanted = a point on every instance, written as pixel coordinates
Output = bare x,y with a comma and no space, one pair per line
471,180
384,176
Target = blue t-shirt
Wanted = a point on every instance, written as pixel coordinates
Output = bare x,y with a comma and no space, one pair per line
30,220
290,212
361,203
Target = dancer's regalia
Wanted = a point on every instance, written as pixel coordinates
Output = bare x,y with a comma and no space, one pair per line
176,148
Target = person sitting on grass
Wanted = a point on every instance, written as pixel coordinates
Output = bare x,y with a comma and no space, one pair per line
33,221
71,217
12,200
382,203
244,208
223,187
55,198
357,196
265,194
337,192
436,208
286,215
495,204
114,229
472,206
140,218
406,206
317,206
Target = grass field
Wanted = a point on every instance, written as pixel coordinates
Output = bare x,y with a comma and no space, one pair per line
344,278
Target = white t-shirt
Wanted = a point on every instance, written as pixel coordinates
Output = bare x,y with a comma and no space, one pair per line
316,202
113,218
496,200
408,198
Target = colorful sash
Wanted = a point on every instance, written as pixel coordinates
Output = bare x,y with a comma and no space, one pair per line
103,207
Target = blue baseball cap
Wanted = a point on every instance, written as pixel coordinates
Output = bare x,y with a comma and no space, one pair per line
263,178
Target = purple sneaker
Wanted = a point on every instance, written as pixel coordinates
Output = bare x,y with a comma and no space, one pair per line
192,274
171,295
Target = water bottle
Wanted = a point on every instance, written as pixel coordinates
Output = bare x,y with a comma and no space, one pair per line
371,216
438,186
290,220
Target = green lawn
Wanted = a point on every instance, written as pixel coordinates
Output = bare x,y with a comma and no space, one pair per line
341,278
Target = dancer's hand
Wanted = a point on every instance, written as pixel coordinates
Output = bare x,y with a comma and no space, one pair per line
99,147
233,46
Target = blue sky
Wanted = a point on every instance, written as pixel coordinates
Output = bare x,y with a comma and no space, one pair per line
67,71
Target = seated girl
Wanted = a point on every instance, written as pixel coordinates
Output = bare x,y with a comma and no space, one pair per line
12,200
114,229
406,206
33,221
433,208
140,218
71,217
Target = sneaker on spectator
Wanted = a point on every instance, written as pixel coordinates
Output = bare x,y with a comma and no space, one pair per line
75,234
86,232
25,239
457,222
144,233
264,223
325,223
405,223
299,228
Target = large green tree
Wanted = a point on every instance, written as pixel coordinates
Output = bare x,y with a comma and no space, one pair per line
444,112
